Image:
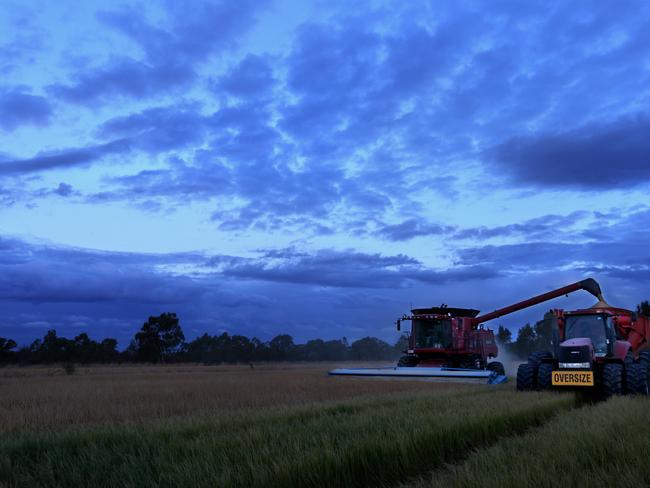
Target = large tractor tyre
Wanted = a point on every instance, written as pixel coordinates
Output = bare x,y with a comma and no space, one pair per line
407,361
644,358
636,379
613,379
536,358
544,373
497,367
526,377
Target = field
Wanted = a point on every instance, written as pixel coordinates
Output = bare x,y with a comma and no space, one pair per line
279,425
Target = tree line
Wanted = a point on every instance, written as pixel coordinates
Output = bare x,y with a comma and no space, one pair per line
161,339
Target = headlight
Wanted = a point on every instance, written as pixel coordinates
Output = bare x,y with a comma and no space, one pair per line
575,365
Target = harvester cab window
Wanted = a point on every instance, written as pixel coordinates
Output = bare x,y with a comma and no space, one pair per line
592,327
432,333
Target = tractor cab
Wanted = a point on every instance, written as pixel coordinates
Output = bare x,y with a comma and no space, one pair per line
597,328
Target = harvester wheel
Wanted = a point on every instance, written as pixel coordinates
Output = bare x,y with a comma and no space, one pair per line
636,379
544,373
612,379
535,358
526,377
408,361
497,367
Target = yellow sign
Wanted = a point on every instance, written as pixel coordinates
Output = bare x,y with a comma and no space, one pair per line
572,378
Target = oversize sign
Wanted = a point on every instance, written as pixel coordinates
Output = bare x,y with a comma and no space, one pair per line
572,378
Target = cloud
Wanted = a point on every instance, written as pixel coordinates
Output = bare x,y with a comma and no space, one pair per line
63,159
158,129
252,77
46,286
171,51
123,77
607,243
546,226
18,108
343,269
411,228
598,156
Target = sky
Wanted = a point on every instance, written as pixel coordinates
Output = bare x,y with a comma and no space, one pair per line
317,167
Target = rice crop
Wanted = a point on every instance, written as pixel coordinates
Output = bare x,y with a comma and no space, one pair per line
607,444
320,432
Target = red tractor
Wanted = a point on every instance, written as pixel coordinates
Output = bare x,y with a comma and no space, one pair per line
602,349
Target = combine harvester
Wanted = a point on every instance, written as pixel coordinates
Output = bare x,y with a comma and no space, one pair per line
452,344
602,351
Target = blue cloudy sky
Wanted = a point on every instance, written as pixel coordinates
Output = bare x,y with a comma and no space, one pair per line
316,167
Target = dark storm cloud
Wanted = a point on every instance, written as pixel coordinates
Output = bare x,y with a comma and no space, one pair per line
170,52
41,273
18,108
111,293
63,159
343,269
596,156
612,244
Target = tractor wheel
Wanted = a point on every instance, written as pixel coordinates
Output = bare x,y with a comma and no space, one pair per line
407,361
644,358
497,367
526,377
544,373
535,358
612,379
636,379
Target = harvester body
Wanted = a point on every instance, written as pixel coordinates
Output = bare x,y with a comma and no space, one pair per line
604,349
447,342
448,337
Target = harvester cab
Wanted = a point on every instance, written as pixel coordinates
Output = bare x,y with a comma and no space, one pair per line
449,337
453,343
602,349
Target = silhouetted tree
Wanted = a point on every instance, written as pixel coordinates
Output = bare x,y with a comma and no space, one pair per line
108,351
503,336
371,348
643,308
159,338
281,348
6,353
52,349
526,341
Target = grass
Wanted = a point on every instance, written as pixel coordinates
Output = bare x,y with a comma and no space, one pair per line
607,444
339,432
